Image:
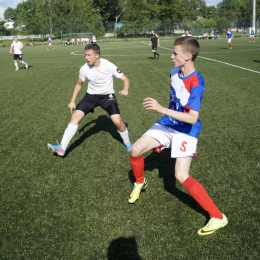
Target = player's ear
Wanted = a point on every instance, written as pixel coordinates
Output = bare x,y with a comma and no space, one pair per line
188,56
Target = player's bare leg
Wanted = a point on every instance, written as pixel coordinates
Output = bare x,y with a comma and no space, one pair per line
122,130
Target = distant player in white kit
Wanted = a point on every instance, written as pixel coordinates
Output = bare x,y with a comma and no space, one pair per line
16,51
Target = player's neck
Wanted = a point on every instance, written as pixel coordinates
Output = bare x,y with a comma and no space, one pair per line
97,63
187,70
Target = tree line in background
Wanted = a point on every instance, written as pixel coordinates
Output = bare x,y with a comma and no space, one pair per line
57,17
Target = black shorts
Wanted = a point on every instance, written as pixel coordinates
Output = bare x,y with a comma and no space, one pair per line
107,102
154,46
18,57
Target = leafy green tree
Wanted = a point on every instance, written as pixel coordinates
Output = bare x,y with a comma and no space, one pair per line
10,14
222,23
229,9
3,30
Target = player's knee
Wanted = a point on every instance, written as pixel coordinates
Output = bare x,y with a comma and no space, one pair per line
76,117
118,122
136,150
181,176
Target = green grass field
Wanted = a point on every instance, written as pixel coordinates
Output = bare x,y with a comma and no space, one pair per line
76,207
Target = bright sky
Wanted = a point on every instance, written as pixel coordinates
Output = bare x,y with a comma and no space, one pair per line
4,4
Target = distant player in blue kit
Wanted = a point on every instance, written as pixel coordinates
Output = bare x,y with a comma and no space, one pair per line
99,74
178,129
252,35
229,38
50,45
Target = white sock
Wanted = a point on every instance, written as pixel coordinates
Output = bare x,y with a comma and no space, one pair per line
124,135
16,65
23,62
68,134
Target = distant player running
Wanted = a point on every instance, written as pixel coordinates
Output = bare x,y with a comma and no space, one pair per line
50,44
16,51
229,38
155,42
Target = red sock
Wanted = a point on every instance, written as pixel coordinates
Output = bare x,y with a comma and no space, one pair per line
198,192
137,164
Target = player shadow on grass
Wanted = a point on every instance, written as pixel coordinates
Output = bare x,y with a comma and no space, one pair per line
256,61
102,123
166,165
123,248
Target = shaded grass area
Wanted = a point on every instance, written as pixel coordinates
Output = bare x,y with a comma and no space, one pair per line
76,207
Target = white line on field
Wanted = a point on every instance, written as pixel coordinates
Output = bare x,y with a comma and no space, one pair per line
222,62
226,63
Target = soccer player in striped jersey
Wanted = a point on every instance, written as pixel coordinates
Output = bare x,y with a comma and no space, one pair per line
50,44
229,38
178,129
252,35
155,42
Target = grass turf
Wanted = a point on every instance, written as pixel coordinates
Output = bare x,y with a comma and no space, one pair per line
76,207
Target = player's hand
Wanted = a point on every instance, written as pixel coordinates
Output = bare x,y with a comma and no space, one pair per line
72,107
152,104
123,92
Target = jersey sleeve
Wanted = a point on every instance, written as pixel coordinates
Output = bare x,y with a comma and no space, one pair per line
195,99
115,70
81,74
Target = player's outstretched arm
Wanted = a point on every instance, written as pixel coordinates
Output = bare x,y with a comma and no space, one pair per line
126,81
152,104
77,88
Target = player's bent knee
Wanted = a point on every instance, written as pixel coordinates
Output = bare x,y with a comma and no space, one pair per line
117,121
181,177
136,150
76,116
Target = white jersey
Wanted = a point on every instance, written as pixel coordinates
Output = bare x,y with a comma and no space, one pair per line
184,35
16,46
100,79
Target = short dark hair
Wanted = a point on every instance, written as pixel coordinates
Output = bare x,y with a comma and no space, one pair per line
94,47
188,44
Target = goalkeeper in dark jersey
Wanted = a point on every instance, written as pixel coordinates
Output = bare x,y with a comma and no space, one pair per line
155,44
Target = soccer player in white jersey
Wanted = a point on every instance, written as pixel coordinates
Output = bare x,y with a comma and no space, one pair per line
99,73
178,129
16,51
186,33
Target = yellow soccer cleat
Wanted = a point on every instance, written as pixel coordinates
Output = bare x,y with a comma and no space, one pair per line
213,225
138,187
